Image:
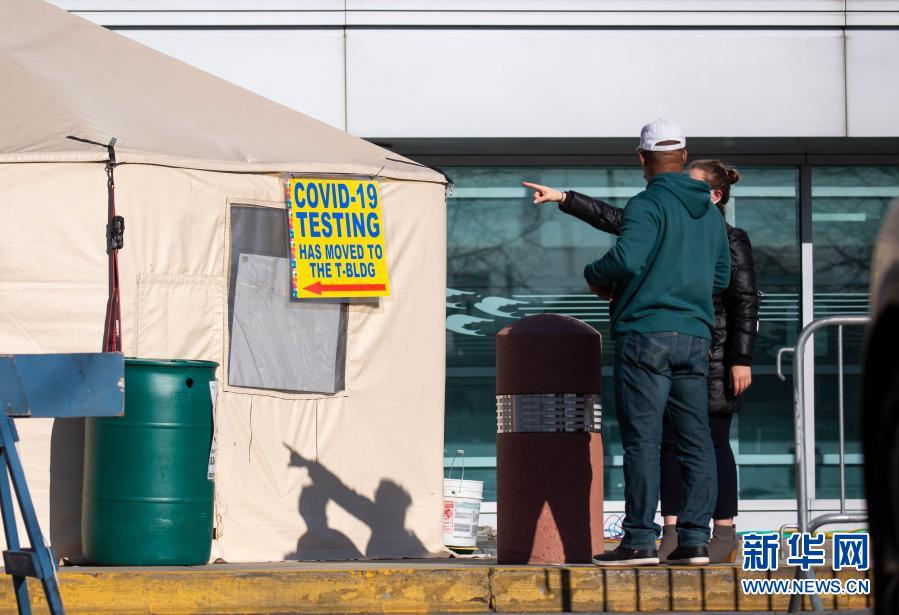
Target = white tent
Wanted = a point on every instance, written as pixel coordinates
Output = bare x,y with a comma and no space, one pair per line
190,147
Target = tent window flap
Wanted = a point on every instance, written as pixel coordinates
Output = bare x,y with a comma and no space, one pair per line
277,343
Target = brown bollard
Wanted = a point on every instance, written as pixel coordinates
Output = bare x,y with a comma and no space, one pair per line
548,444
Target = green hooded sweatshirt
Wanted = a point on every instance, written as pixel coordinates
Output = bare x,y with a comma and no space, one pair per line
671,257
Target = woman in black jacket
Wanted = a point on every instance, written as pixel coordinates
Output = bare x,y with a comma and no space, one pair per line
730,356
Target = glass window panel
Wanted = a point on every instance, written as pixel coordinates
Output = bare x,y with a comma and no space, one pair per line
848,206
766,204
508,258
767,482
827,479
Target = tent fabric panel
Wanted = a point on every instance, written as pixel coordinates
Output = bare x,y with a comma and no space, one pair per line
257,490
395,380
173,316
375,447
382,441
53,289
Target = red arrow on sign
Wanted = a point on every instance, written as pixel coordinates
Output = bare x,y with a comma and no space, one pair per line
318,288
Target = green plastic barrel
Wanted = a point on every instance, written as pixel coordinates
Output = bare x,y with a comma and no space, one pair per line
147,500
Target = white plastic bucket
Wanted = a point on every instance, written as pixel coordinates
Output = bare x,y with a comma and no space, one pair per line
461,511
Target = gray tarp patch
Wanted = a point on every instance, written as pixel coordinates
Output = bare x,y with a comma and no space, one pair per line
281,344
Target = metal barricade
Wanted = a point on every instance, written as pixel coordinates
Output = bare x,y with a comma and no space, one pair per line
800,414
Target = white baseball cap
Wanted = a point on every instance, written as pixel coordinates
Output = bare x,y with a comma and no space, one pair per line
661,131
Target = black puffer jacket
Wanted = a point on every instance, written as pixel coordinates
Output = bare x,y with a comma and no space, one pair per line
736,309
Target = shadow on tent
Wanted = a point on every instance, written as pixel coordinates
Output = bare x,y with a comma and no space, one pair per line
385,515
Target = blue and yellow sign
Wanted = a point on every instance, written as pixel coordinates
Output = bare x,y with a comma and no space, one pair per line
336,238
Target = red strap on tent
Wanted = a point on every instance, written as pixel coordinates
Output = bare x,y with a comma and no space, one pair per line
115,229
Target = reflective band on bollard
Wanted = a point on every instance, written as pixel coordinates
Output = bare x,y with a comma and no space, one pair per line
548,413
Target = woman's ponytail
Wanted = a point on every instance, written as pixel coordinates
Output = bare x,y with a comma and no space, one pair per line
719,176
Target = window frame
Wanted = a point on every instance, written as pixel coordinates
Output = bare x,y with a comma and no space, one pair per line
226,336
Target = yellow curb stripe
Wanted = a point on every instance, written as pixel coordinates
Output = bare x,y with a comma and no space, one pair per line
410,589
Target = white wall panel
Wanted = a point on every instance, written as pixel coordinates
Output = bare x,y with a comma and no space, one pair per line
302,68
873,5
587,5
488,13
470,68
599,83
202,5
873,83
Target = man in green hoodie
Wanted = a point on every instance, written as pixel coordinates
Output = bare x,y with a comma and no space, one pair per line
671,257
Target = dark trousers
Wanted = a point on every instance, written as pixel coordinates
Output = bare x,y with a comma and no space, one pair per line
654,371
672,478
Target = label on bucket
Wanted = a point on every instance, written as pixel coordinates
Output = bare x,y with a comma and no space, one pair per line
466,518
448,510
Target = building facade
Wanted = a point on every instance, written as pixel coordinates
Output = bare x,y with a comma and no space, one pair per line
800,95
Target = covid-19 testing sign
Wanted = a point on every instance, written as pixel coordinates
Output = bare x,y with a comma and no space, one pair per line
336,238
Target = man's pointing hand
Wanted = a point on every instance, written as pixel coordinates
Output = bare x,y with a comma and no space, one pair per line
544,194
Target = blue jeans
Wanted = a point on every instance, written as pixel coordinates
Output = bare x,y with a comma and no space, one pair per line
652,371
